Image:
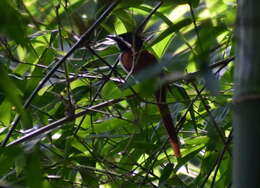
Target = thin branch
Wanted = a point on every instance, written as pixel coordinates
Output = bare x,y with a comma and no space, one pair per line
144,22
195,26
218,160
175,77
209,113
96,95
72,76
61,121
221,157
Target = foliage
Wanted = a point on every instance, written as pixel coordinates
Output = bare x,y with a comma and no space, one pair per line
85,126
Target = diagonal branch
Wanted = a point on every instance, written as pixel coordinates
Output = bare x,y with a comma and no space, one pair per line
144,22
55,124
179,76
220,133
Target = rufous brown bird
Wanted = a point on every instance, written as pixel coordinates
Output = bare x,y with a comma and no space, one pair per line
136,59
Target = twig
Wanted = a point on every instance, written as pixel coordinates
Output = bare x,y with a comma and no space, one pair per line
195,26
142,25
96,95
175,77
209,113
219,159
61,121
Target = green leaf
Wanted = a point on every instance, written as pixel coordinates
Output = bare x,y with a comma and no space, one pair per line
170,30
112,91
12,24
13,94
166,172
33,171
126,20
5,112
194,3
7,158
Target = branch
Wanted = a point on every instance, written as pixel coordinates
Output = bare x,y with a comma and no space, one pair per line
175,77
55,124
143,24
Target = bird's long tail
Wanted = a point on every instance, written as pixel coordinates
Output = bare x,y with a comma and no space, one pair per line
167,120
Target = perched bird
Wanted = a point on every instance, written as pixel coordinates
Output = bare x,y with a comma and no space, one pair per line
136,59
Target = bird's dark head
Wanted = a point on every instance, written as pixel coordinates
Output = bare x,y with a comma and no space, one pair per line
127,41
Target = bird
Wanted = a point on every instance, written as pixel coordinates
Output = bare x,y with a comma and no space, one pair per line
135,59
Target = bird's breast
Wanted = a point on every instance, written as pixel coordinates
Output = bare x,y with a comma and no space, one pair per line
136,62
